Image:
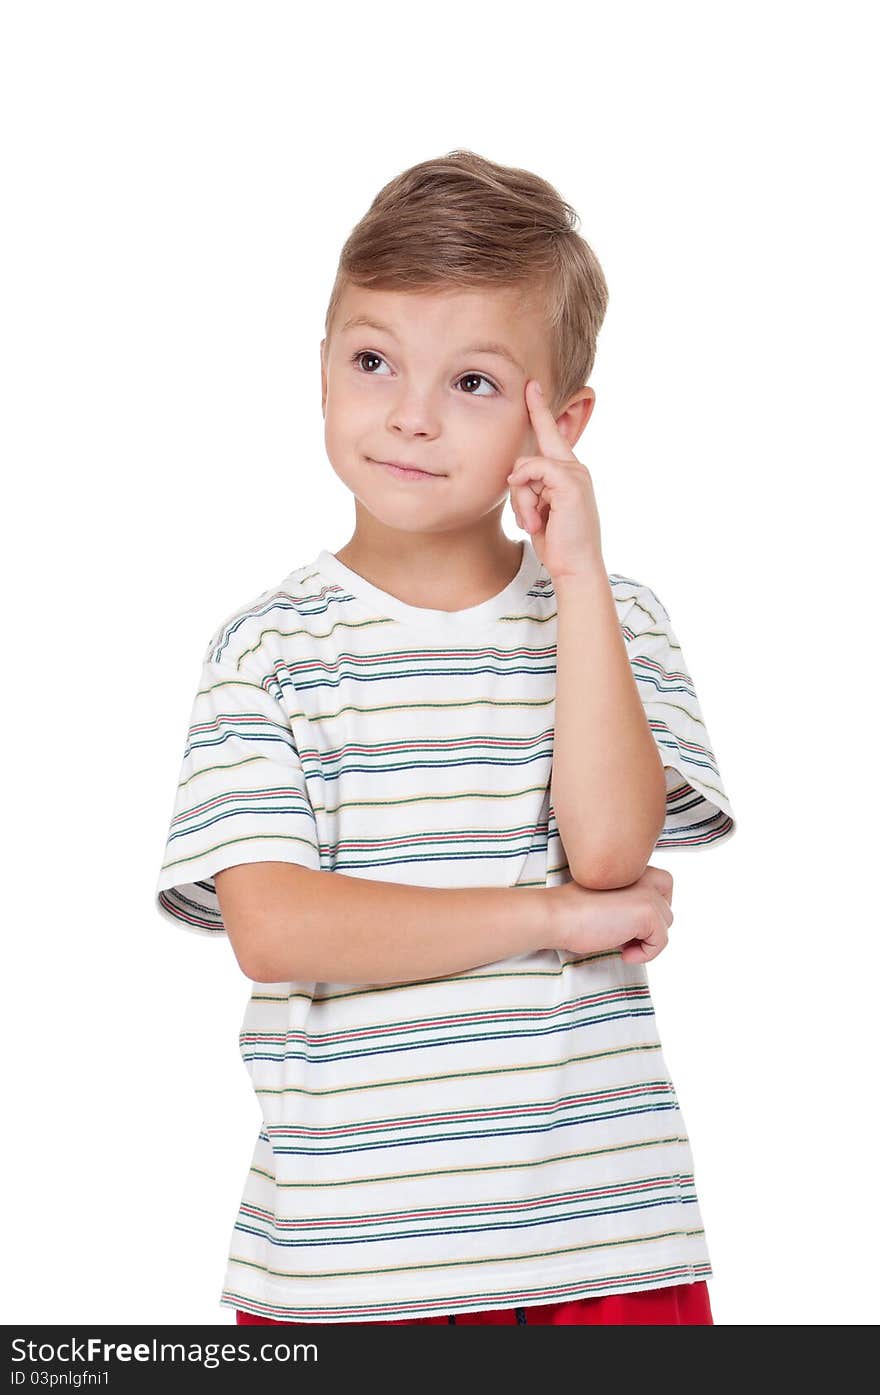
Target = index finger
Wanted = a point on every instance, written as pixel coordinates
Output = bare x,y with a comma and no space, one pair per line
551,441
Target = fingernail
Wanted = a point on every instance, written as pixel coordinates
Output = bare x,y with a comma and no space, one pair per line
538,389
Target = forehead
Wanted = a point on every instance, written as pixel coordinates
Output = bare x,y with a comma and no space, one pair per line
508,314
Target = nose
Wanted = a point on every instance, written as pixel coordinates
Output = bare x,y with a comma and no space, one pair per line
411,414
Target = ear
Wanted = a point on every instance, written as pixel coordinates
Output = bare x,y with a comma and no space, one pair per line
574,417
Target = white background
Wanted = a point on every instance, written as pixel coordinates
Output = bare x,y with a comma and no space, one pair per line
178,179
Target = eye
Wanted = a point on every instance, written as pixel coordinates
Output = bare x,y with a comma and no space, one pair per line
466,377
480,378
366,353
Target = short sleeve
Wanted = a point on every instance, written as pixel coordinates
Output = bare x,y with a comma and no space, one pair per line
242,796
698,811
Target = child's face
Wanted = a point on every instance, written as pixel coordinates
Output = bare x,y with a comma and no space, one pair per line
418,392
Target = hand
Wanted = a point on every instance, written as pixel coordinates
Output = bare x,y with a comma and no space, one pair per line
552,497
634,919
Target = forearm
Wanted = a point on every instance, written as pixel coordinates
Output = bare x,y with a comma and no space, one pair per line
341,929
608,787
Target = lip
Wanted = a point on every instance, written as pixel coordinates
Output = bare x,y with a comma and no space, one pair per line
404,471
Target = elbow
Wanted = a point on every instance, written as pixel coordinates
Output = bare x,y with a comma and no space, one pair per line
607,873
252,955
267,959
259,969
606,876
252,964
255,901
255,969
609,865
262,960
612,868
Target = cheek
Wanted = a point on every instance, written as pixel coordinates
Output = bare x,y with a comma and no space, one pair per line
496,426
338,441
346,418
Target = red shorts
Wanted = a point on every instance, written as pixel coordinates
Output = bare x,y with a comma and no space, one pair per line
677,1305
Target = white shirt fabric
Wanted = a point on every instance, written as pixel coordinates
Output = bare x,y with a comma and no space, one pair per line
504,1136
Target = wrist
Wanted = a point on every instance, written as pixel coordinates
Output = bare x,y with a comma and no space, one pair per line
549,917
590,578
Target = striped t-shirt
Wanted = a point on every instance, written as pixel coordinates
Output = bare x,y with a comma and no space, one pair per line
504,1136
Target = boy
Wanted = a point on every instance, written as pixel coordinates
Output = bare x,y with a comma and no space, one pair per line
423,780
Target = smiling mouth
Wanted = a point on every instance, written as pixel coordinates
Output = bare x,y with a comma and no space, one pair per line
405,471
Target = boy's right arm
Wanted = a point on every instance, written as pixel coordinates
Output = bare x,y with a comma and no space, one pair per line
291,923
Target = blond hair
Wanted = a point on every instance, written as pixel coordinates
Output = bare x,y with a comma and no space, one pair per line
461,222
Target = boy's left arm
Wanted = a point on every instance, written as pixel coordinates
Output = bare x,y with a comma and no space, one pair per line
608,786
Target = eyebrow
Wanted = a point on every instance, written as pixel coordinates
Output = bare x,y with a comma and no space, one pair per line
489,347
